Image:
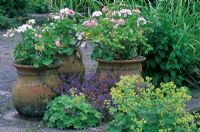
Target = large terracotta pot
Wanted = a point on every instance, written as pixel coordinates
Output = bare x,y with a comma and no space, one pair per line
33,88
72,64
117,68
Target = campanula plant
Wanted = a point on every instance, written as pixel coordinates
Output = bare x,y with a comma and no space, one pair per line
97,91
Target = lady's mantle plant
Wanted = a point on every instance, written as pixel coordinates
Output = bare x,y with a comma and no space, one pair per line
40,45
143,108
117,33
71,112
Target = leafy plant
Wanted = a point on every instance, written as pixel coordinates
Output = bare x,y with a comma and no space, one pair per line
71,112
38,6
14,8
141,107
40,46
117,33
175,40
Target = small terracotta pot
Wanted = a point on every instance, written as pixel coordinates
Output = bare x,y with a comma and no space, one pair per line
72,64
117,68
33,89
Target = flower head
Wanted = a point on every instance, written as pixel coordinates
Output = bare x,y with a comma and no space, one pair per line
137,11
67,11
121,21
83,44
9,33
141,21
31,21
96,14
57,43
23,28
79,36
104,9
124,12
90,23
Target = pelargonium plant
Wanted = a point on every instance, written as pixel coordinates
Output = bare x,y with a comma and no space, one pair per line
96,91
41,44
118,32
63,31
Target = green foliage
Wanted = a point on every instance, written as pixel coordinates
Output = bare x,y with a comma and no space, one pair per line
4,22
175,40
38,6
64,31
140,107
118,33
71,112
35,51
40,46
14,8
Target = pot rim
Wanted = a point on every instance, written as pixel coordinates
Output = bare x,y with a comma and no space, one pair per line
32,67
136,59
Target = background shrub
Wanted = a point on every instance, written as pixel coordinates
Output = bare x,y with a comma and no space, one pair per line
176,41
142,108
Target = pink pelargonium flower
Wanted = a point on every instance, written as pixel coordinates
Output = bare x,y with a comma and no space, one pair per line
38,35
121,21
69,11
57,43
114,21
105,9
90,23
137,11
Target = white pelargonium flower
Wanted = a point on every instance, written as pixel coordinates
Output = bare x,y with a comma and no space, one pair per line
31,21
23,28
9,33
96,14
141,21
56,17
83,44
62,11
80,36
124,12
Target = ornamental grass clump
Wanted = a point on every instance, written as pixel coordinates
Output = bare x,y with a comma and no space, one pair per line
117,32
71,112
141,107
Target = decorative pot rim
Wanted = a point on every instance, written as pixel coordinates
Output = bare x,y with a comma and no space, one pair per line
136,59
32,67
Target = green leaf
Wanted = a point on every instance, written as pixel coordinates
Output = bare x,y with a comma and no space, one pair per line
47,61
69,51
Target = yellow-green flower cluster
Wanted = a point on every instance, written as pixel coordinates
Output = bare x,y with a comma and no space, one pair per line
143,107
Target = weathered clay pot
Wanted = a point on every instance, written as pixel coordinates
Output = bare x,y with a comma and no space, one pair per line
117,68
72,64
33,88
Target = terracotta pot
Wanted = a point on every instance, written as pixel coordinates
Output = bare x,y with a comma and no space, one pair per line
72,64
117,68
33,88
